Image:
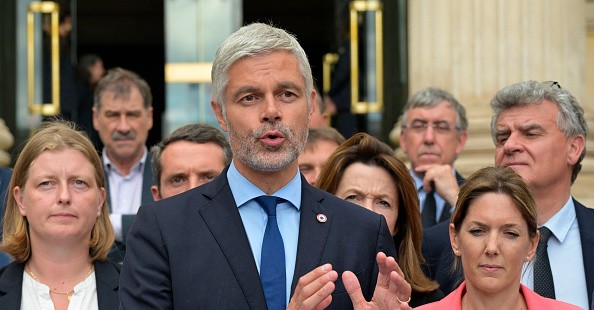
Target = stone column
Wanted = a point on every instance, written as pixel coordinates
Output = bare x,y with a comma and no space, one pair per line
473,48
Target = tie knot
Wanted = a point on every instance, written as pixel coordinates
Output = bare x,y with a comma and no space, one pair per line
545,233
268,203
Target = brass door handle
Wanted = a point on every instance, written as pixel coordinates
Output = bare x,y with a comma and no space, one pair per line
52,8
357,106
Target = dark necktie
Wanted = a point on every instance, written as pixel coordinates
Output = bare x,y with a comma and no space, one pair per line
272,261
543,277
429,210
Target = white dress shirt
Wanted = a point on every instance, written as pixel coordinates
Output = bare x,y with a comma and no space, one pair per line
125,191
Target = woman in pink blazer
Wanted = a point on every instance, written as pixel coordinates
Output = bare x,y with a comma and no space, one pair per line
493,233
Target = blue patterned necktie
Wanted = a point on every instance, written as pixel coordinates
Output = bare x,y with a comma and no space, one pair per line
543,277
272,261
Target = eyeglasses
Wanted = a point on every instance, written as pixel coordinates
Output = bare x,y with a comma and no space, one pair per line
440,127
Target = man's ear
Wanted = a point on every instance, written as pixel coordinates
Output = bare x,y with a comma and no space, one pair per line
155,192
218,111
576,146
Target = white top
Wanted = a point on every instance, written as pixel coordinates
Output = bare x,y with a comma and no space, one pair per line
125,191
36,295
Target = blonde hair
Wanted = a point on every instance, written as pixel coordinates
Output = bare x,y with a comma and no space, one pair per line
54,136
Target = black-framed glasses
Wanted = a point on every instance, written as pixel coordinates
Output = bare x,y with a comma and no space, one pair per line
440,127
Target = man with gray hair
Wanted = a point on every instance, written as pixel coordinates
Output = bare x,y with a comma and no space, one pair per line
433,135
540,131
189,157
259,236
123,116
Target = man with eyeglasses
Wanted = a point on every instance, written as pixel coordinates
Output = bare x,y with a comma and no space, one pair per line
433,135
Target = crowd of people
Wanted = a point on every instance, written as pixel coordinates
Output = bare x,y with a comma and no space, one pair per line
271,217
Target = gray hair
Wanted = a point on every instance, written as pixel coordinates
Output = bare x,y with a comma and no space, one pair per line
197,133
431,97
250,41
570,119
120,81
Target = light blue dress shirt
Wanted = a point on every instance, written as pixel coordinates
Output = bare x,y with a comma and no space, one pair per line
565,256
439,202
255,218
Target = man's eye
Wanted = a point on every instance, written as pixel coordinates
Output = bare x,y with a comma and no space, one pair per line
501,139
249,98
177,180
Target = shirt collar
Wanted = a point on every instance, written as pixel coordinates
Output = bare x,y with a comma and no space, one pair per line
108,165
561,222
243,190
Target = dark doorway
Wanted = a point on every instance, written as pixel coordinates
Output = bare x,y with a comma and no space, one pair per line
127,34
311,21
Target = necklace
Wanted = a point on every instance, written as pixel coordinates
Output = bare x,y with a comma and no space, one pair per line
69,293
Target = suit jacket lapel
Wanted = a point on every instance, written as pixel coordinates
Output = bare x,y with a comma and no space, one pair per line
222,218
585,218
11,283
147,181
312,233
107,279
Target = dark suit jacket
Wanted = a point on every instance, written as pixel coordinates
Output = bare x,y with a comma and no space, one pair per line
438,252
191,251
119,249
106,275
5,174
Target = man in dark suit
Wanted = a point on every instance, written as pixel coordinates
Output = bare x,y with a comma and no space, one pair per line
540,131
209,247
433,135
123,116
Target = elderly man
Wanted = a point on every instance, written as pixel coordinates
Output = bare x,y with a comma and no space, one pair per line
433,135
540,131
259,236
123,116
191,156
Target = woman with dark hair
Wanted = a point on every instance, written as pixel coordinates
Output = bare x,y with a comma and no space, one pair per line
57,226
363,170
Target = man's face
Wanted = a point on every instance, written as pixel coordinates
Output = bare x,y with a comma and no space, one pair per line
185,165
123,125
314,157
529,141
317,119
267,114
432,145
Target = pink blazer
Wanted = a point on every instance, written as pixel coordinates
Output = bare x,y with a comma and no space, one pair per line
534,301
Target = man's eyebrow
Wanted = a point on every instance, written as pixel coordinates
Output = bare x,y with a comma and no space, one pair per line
528,127
244,90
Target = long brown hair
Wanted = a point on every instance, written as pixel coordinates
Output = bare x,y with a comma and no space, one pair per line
365,149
